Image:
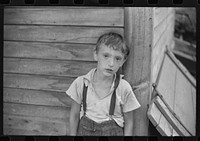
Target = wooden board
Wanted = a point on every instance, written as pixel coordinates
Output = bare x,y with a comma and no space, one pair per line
56,51
178,89
160,15
28,125
154,114
164,127
36,97
37,82
184,103
67,34
48,112
47,67
167,81
158,50
158,120
179,128
162,28
137,69
65,16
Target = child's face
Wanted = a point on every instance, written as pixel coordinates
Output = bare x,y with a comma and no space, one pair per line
109,60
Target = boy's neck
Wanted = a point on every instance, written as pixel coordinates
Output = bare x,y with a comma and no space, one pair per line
98,77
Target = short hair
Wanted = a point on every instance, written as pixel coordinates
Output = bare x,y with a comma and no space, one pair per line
113,40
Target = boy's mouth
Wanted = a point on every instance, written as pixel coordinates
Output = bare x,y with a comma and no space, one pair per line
109,70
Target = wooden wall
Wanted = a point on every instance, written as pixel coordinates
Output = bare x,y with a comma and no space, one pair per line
163,26
45,49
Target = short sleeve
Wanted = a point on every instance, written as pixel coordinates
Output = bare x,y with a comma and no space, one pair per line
130,101
75,90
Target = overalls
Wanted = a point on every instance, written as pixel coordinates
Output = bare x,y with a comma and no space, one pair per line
88,127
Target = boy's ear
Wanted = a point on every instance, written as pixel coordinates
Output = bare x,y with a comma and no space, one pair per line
95,55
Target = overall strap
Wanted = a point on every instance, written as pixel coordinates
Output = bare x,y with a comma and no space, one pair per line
113,98
84,97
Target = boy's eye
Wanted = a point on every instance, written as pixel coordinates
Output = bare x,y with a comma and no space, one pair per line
118,58
105,55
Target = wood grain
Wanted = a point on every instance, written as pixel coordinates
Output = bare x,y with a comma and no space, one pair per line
160,15
65,16
137,69
66,34
28,125
37,82
47,67
36,97
48,112
56,51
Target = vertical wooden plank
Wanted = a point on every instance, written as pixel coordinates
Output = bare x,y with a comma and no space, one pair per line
137,70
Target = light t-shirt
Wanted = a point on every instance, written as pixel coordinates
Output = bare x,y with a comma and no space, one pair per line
98,109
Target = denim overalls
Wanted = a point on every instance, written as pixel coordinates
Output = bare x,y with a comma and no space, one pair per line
88,127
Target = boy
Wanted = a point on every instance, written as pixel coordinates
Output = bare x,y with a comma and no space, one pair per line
103,102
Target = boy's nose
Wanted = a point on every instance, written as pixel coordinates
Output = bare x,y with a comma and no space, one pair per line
111,62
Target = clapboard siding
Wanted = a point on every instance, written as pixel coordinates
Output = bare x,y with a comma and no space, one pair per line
45,49
56,51
66,34
65,16
28,125
36,97
47,67
37,82
49,112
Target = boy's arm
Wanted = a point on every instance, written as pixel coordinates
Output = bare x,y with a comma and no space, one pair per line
128,123
74,118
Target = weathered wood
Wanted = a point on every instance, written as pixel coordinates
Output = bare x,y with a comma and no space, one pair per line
160,15
48,112
28,125
184,103
158,120
180,129
37,82
36,97
137,70
65,16
160,47
47,67
160,29
57,51
167,81
65,34
164,127
154,114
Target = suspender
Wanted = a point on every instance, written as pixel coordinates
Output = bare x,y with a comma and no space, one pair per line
113,98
